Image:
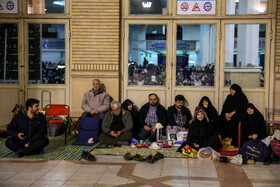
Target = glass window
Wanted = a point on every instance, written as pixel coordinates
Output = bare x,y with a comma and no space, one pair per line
195,55
8,53
148,6
46,7
235,7
147,55
46,52
245,54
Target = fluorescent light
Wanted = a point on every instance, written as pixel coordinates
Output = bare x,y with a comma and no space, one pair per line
147,4
60,66
60,3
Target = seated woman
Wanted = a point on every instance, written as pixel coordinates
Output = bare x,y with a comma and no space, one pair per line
116,126
253,124
232,112
201,133
210,110
128,106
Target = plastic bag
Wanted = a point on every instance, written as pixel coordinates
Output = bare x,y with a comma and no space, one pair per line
207,153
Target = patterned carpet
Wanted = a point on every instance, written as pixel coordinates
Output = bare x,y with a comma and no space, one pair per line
120,151
56,150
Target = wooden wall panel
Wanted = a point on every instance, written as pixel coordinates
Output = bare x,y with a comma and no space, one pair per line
95,35
277,60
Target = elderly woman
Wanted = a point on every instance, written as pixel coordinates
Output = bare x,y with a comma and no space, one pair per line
116,126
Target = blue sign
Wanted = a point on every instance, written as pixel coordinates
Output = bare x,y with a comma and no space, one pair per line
207,6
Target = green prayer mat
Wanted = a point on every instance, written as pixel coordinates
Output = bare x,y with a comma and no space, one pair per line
120,151
56,150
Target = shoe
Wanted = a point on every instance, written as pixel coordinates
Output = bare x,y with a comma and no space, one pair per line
87,156
127,156
158,156
223,159
40,151
267,161
237,160
20,153
150,159
138,157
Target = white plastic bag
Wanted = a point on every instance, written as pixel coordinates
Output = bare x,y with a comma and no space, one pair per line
207,153
269,138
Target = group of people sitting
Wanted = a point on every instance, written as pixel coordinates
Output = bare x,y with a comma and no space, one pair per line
124,121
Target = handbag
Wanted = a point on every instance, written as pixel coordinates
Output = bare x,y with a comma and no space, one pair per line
255,149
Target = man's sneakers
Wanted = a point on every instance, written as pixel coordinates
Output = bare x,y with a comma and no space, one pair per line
237,160
87,156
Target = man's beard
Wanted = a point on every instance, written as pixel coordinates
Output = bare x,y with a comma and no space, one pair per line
153,104
34,112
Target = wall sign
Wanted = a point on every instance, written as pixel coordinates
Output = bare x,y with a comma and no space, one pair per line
8,6
196,7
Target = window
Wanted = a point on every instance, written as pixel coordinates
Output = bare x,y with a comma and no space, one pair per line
148,6
235,7
8,53
245,54
46,52
46,7
147,55
195,55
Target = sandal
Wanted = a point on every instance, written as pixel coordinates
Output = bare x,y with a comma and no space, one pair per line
127,156
138,157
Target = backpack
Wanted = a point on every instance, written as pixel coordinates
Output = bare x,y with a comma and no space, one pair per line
88,131
255,149
275,146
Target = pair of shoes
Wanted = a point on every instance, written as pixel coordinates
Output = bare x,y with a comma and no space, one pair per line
87,156
151,159
223,159
138,157
237,160
127,156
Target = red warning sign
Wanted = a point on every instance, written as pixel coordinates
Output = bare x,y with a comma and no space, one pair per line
1,8
184,6
196,7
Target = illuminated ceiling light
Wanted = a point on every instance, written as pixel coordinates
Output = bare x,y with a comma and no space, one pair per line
60,3
237,1
147,4
261,9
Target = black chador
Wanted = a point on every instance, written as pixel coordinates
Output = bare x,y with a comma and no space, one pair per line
210,110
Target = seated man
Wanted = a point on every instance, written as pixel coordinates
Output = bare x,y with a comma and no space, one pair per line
116,126
28,130
178,115
95,102
150,114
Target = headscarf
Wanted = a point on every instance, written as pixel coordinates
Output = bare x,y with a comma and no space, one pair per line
210,111
197,110
126,103
238,90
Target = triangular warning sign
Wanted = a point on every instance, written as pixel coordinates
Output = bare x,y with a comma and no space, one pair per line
196,7
1,8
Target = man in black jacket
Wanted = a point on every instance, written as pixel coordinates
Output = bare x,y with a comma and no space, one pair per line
28,130
150,114
178,116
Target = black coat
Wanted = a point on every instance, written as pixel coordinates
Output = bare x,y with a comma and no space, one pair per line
172,114
253,124
161,114
33,128
134,114
210,110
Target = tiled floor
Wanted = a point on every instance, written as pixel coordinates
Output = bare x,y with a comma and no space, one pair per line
115,171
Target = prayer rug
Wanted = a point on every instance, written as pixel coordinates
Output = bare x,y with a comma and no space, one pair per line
56,150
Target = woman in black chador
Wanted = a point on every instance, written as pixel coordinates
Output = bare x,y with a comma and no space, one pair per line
128,105
253,124
232,113
210,110
201,133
